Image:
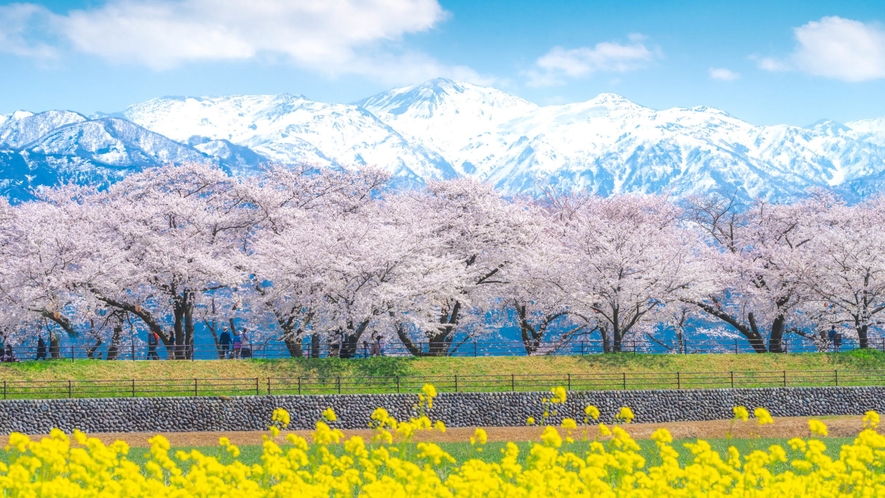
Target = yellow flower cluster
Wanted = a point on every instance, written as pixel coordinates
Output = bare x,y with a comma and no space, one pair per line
613,466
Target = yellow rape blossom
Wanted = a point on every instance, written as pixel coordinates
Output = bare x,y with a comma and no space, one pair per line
625,415
871,420
818,428
83,466
762,416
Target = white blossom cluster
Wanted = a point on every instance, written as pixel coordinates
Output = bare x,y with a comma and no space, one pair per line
294,253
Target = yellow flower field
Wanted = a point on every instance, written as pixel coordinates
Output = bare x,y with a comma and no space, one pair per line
331,465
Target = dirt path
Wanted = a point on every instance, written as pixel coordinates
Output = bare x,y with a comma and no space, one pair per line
842,426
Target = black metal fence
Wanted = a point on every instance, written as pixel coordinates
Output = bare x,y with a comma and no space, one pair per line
478,347
304,385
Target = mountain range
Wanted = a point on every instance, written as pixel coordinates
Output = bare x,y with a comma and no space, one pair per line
444,129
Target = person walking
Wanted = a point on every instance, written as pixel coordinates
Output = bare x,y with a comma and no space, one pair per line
238,344
225,341
41,348
837,341
246,346
54,346
153,341
831,335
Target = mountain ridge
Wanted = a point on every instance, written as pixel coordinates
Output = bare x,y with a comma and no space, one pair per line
442,129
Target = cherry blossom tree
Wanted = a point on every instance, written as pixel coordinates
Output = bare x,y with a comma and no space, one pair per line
477,231
627,256
847,278
763,255
165,236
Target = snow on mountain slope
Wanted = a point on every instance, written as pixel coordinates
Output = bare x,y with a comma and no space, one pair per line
442,129
85,151
22,127
609,144
444,115
292,129
113,142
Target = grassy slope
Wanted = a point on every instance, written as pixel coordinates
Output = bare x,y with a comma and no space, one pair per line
856,361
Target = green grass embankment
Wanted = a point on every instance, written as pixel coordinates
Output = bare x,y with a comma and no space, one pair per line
90,378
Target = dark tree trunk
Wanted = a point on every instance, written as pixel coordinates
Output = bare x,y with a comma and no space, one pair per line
314,346
862,336
116,338
776,339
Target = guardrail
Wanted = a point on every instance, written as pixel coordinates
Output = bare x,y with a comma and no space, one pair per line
312,385
478,347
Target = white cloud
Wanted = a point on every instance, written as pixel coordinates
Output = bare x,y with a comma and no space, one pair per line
723,74
18,22
559,63
771,64
837,48
328,36
841,48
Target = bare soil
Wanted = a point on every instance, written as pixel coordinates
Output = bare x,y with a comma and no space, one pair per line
783,427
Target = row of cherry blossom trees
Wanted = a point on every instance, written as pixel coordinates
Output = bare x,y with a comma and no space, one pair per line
299,255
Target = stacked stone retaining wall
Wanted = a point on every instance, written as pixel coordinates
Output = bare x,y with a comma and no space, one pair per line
248,413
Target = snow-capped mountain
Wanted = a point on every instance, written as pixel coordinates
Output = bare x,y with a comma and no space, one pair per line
60,146
292,129
442,129
609,144
445,116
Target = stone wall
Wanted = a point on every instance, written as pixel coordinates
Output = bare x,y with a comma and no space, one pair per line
455,409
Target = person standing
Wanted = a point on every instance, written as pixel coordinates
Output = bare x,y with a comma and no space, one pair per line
153,341
238,344
41,348
245,346
225,341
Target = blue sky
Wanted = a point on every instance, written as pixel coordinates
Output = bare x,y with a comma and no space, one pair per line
767,62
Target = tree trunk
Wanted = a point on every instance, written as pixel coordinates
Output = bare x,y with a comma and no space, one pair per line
863,337
189,327
531,338
350,339
776,338
114,348
314,346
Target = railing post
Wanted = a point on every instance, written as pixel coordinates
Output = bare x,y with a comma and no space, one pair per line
456,383
512,383
256,386
70,389
785,378
836,372
268,386
299,385
474,348
397,384
732,379
195,388
4,389
624,379
338,381
133,388
678,381
569,381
